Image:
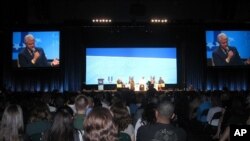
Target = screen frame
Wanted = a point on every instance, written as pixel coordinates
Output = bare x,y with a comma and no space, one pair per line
112,86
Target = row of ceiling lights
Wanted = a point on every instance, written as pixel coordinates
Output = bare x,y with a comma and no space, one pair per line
153,20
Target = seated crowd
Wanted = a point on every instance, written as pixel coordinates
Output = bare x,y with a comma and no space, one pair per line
122,115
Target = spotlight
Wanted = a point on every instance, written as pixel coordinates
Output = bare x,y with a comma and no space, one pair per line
158,21
101,20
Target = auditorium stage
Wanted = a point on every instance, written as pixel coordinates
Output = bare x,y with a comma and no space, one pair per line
123,89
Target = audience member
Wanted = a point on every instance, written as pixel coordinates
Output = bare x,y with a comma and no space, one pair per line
99,126
12,126
62,128
123,119
81,103
203,109
162,130
147,118
90,106
39,121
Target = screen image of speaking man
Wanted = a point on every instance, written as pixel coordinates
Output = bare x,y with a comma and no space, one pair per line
32,56
226,55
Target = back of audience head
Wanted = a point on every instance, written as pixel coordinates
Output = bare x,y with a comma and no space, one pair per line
66,109
90,102
148,115
81,102
99,126
215,101
40,112
165,109
153,99
121,115
12,127
62,126
71,98
59,101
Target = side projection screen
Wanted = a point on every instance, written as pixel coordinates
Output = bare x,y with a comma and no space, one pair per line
40,49
228,48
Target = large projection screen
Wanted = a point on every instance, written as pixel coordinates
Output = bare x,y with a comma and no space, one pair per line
111,64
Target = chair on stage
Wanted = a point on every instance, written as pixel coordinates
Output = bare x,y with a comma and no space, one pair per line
118,86
142,87
161,86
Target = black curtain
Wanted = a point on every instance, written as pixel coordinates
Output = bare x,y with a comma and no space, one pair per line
193,45
234,79
1,58
73,57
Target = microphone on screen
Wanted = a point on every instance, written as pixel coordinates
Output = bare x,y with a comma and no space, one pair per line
33,50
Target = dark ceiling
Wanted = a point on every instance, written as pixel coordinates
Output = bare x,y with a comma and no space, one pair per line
60,11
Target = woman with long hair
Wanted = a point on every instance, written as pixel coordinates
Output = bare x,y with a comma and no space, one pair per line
12,127
62,127
123,120
148,117
99,126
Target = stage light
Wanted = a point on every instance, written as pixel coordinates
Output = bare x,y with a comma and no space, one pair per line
101,20
159,20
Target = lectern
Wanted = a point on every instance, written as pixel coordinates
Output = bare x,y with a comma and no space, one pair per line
100,84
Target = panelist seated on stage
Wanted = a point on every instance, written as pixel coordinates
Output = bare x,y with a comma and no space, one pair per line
161,84
142,84
132,83
119,84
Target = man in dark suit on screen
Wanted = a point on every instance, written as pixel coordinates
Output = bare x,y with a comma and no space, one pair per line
226,55
32,56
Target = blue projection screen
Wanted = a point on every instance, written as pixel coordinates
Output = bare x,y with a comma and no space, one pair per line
112,64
